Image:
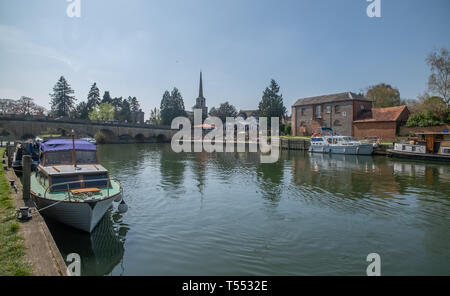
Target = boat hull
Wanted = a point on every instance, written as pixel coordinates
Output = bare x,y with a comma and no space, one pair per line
353,150
81,215
418,156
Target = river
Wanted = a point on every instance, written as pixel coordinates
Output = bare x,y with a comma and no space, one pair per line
228,214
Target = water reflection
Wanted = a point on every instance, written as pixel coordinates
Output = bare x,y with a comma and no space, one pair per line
101,251
305,214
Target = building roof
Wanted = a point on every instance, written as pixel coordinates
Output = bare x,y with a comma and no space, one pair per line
383,114
248,113
345,96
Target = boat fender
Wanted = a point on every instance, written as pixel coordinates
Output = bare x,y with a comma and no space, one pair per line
123,207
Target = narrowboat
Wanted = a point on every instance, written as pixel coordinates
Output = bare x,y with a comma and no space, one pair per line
426,146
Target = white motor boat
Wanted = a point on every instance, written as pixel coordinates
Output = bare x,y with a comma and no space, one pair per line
339,144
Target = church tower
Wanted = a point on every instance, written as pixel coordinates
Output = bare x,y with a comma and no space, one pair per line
201,101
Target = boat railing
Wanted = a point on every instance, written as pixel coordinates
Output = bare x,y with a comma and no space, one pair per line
109,182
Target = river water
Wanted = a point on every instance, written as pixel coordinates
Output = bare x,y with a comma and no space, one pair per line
228,214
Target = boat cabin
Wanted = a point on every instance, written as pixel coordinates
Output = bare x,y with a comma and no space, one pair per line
64,167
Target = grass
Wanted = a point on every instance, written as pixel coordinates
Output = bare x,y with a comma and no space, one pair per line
50,136
12,244
295,137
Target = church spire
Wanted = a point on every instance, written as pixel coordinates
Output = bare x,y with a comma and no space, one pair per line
200,91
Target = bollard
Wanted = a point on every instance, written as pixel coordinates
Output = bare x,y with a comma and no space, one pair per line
26,176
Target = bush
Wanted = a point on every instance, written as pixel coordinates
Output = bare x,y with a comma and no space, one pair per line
288,129
424,119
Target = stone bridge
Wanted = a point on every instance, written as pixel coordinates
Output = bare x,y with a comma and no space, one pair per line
18,128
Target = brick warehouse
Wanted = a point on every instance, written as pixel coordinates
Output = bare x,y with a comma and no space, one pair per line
337,111
381,122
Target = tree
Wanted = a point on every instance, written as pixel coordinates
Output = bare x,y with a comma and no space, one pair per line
172,106
428,111
102,112
106,98
62,97
384,95
439,80
155,116
82,111
225,110
134,104
271,104
93,98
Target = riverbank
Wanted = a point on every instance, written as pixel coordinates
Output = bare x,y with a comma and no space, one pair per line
26,248
12,244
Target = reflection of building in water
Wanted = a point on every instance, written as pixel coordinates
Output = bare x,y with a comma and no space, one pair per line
101,251
409,169
349,175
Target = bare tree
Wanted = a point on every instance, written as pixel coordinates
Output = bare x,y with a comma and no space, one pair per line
439,80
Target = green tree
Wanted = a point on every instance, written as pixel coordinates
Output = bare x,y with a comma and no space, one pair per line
93,98
102,112
172,106
134,104
271,104
428,111
124,112
62,99
155,116
384,95
106,98
81,111
225,110
439,80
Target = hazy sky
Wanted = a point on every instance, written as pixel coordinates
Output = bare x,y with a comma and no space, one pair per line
142,48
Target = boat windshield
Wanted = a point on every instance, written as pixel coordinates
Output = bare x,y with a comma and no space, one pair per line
65,157
58,157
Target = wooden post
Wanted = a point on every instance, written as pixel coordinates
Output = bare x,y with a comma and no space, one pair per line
26,176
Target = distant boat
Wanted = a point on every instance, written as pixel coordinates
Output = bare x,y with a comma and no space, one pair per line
25,148
70,185
90,140
339,144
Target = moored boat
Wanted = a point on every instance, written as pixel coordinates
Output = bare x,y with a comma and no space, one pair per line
427,146
333,143
70,185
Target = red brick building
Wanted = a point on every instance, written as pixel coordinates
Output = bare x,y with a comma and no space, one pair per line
381,122
337,111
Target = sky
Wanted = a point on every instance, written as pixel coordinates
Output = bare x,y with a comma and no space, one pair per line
143,47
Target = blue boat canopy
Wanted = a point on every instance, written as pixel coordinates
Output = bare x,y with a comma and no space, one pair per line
64,145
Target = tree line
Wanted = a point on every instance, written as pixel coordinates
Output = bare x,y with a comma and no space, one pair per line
104,108
430,108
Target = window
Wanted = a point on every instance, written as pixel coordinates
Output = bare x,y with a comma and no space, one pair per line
60,157
344,114
302,111
328,110
319,111
362,107
336,109
84,157
100,180
64,181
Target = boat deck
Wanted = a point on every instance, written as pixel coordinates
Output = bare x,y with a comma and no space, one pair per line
39,190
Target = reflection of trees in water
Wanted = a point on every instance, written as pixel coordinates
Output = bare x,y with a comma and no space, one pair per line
101,251
119,156
270,178
172,167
